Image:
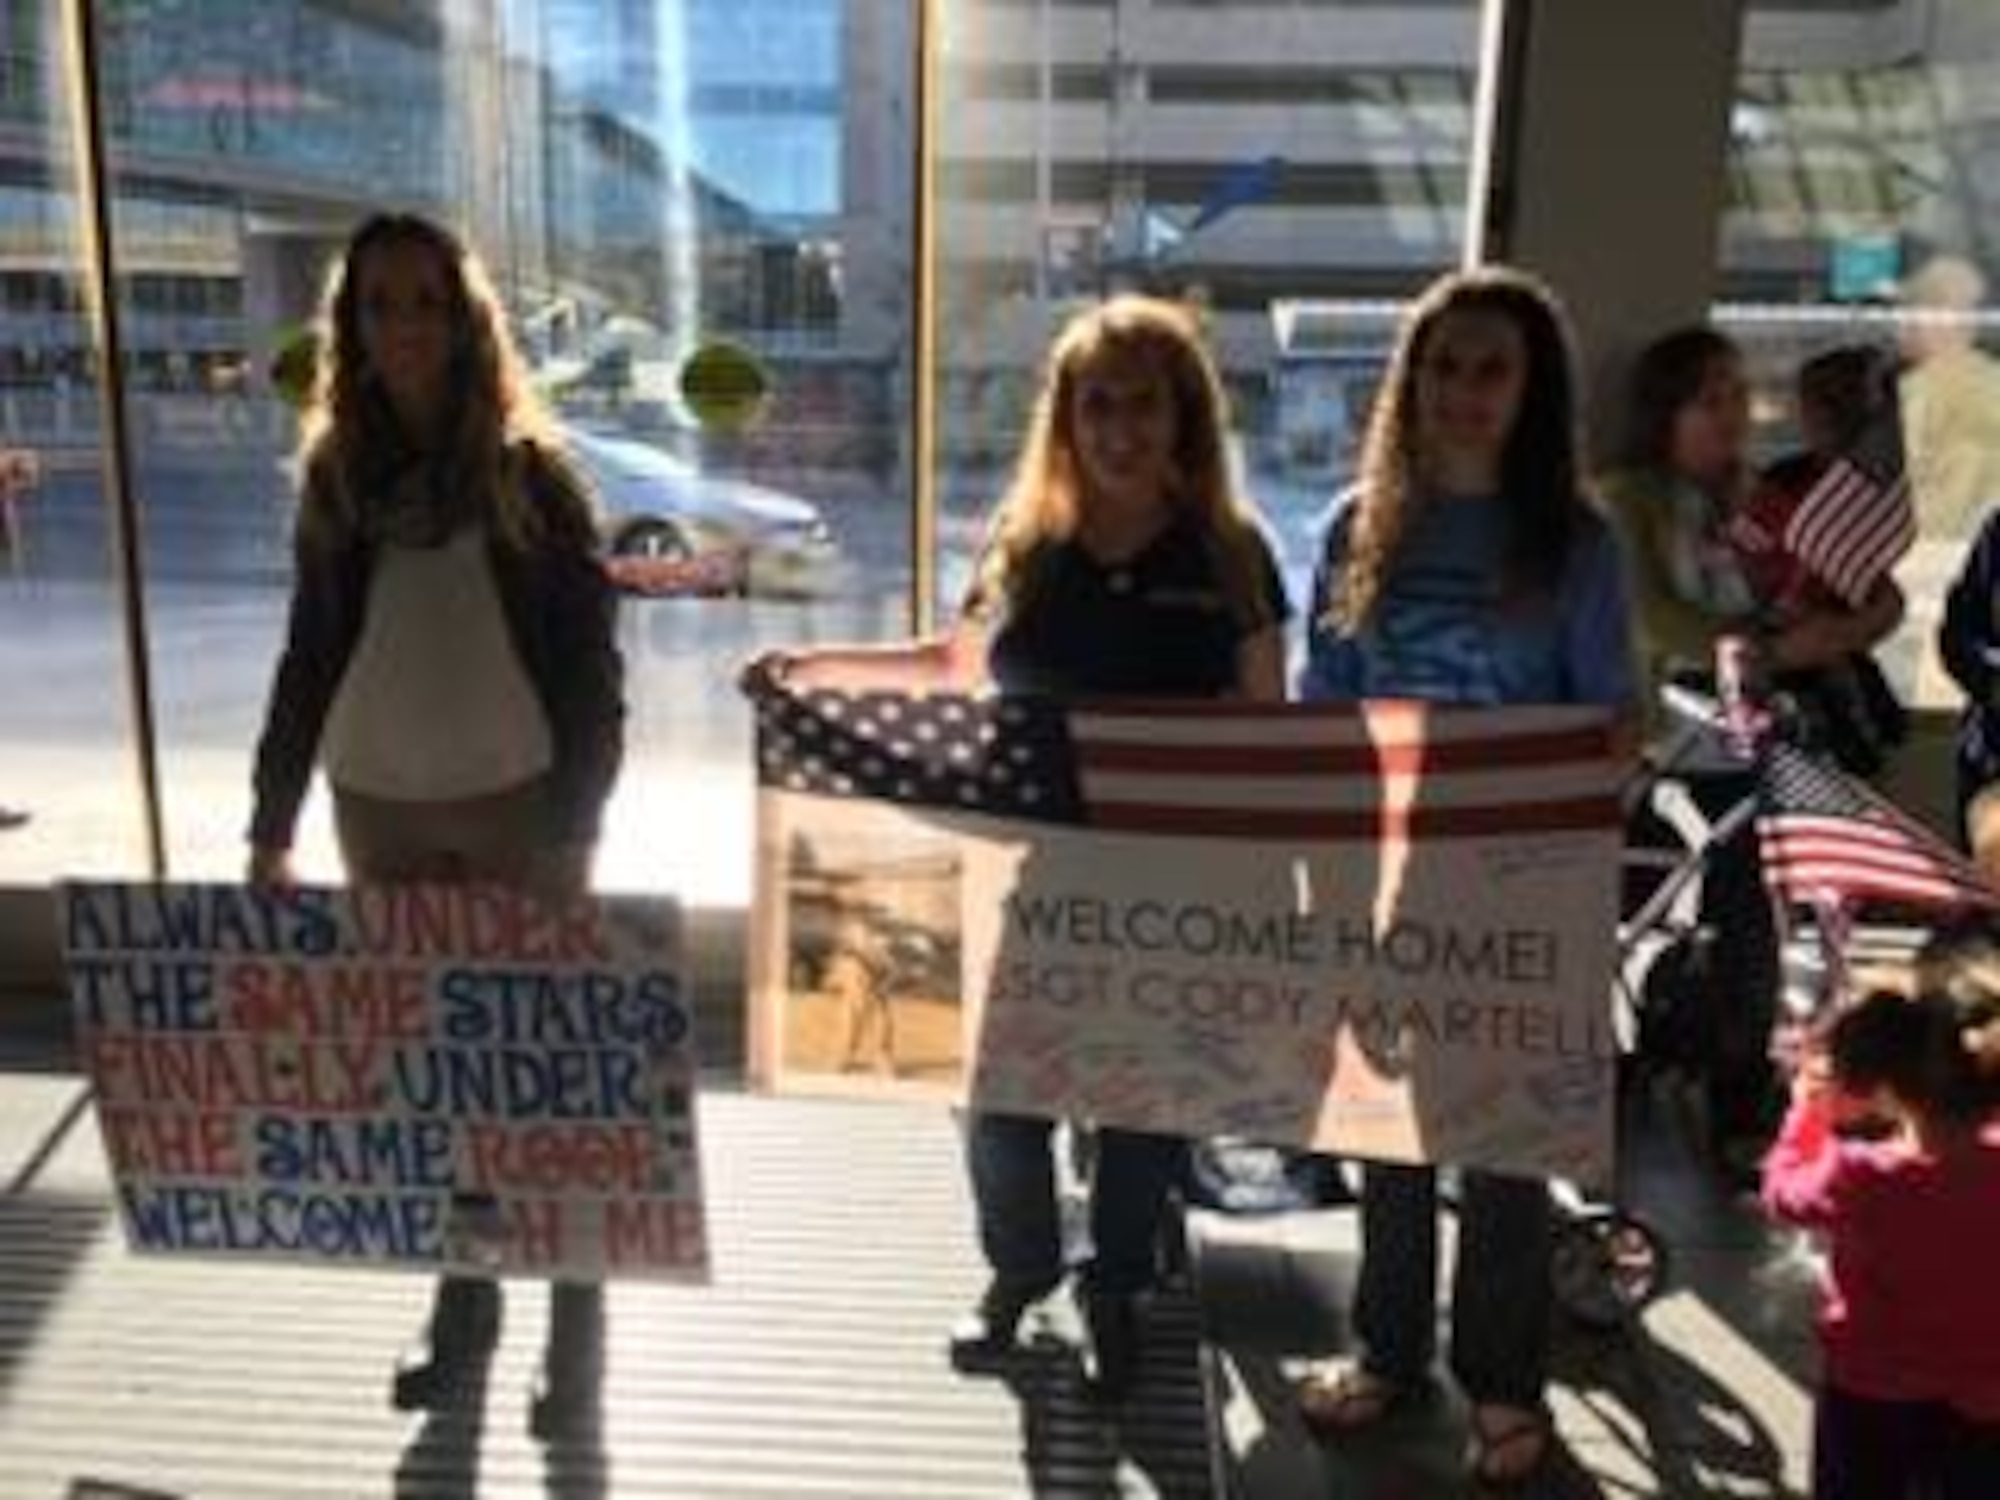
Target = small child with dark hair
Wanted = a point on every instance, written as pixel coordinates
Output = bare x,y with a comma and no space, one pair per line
1819,640
1909,1402
1836,395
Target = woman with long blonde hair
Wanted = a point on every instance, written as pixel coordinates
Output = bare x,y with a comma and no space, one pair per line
1122,562
450,658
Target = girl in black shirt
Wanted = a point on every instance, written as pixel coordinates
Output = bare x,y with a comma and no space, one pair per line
1121,562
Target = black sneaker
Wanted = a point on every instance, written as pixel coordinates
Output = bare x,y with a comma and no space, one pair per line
450,1360
562,1406
566,1400
988,1330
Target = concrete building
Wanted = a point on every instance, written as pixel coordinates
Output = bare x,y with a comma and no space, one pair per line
1257,155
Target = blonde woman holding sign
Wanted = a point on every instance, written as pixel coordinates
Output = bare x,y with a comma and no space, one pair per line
1122,562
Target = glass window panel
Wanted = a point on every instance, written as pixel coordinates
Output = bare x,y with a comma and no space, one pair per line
66,758
642,178
1049,196
1861,144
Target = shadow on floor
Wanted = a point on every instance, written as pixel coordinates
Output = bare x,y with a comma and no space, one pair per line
1708,1394
44,1237
1073,1444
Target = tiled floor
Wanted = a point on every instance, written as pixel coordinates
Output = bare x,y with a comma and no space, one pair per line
811,1364
1708,1395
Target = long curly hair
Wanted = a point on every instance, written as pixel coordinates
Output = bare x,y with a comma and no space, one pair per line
494,423
1666,376
1539,469
1044,501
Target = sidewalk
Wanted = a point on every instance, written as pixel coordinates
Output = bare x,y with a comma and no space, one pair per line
811,1366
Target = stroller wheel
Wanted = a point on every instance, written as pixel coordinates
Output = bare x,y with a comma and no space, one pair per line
1605,1267
1242,1177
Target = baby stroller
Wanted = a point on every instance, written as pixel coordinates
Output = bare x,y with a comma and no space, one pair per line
1701,950
1699,916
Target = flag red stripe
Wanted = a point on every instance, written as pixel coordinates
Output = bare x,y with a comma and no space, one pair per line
1827,504
1858,833
1568,816
1402,758
1782,859
1801,885
1358,715
1857,558
1865,536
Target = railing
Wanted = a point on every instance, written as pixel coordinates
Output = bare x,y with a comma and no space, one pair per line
63,423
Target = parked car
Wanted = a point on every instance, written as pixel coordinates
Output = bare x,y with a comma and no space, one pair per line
675,530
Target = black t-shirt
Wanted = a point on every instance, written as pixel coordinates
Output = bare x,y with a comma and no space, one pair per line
1160,624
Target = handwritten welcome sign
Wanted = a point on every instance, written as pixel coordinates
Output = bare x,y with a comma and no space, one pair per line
1270,994
1383,929
456,1078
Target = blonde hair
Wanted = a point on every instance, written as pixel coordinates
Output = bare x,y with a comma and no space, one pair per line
1044,501
499,441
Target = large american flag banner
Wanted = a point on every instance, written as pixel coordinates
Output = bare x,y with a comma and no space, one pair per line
1857,521
1828,839
1385,929
1287,772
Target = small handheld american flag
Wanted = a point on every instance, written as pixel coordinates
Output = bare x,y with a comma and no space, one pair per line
1856,521
1829,840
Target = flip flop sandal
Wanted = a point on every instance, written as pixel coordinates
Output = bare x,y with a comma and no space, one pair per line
1511,1447
1352,1401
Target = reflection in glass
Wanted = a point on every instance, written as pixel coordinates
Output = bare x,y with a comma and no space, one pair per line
70,800
1290,191
1857,145
646,177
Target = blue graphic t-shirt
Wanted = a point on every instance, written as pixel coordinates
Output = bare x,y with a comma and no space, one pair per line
1443,630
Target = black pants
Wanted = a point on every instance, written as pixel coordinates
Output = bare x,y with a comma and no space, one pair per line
1711,1010
1742,988
1500,1286
1885,1450
1014,1191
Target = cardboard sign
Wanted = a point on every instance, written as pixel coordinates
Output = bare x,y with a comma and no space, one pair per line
457,1078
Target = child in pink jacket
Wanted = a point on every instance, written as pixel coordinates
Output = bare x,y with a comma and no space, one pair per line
1910,1323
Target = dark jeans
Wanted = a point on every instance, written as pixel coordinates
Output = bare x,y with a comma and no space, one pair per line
1014,1191
1884,1450
465,1320
1740,998
1500,1296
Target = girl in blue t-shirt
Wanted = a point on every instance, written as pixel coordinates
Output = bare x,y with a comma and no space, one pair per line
1465,567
